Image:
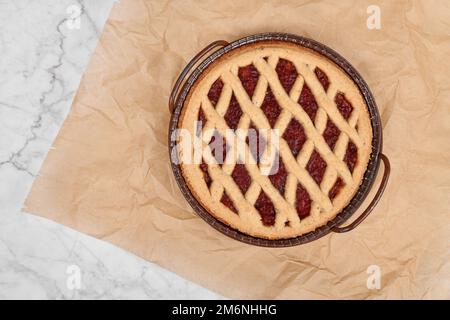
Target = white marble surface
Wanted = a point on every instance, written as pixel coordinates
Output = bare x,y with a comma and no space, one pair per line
41,62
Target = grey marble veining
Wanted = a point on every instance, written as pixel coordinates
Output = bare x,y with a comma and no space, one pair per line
43,55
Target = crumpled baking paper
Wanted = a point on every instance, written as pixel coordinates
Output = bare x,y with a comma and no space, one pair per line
108,173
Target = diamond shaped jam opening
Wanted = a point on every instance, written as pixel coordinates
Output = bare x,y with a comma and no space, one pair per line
336,188
322,77
201,118
266,209
218,145
286,73
241,177
302,202
316,167
278,179
206,177
215,91
295,136
351,156
256,143
344,106
233,114
226,200
308,102
270,107
249,78
331,134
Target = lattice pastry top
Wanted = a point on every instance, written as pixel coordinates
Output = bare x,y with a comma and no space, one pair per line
317,158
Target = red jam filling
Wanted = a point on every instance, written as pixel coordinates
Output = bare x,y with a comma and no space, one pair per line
215,91
334,191
258,144
201,118
266,209
270,107
322,77
206,177
308,102
278,179
343,105
241,177
286,73
295,136
249,77
316,167
302,202
218,144
233,114
351,156
331,134
226,200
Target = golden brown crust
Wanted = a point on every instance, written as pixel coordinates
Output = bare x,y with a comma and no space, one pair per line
357,129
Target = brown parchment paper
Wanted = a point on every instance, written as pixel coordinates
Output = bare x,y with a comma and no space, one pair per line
108,173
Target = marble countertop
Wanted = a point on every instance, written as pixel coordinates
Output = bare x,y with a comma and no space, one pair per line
45,46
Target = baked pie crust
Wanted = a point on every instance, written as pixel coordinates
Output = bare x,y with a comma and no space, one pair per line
324,148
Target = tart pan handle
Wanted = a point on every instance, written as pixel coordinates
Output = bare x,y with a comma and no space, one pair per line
354,224
187,69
